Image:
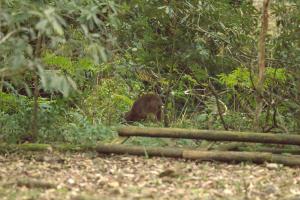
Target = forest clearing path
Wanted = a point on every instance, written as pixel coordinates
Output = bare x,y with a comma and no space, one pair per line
94,176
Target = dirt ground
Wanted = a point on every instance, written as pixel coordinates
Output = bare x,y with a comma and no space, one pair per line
91,176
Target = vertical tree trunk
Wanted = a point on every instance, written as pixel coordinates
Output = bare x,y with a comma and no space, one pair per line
34,121
2,76
261,64
1,83
297,99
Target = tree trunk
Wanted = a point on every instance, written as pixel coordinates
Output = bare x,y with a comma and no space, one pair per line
34,121
1,83
261,64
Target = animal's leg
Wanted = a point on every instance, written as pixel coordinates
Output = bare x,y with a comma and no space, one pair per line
158,115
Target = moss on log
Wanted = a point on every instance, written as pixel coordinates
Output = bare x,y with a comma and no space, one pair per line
139,150
232,146
4,148
213,135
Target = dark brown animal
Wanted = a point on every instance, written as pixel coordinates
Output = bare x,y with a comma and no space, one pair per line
144,106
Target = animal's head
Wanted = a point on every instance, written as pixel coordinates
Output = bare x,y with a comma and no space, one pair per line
127,116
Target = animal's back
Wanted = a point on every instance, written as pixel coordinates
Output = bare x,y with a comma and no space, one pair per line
148,103
145,105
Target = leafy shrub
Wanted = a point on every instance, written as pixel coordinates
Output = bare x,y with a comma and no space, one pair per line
242,77
16,123
10,103
76,129
55,122
55,125
11,127
83,71
108,101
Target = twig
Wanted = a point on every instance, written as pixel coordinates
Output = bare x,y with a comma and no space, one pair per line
7,36
218,104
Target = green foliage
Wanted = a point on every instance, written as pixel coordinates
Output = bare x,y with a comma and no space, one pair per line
67,65
238,121
29,28
53,81
16,123
184,42
58,62
242,77
56,124
82,71
275,76
11,127
111,51
176,37
10,103
77,129
285,45
108,101
241,82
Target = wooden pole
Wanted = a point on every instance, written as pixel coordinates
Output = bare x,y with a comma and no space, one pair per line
212,135
223,156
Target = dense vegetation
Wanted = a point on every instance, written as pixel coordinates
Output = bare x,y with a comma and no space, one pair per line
70,69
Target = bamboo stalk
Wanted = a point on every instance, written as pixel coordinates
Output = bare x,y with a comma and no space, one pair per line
223,156
213,135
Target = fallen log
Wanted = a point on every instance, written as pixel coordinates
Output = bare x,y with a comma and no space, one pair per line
30,183
8,148
238,146
34,184
140,150
232,146
213,135
224,156
274,150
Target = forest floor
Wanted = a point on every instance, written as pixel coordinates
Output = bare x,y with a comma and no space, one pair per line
88,176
